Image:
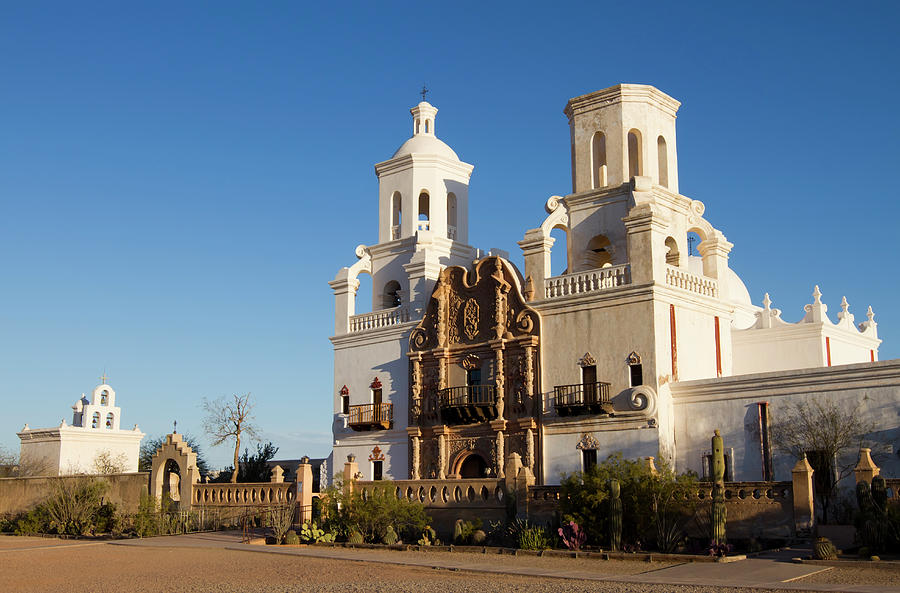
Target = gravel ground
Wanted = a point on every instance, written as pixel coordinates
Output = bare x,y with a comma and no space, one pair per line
15,542
884,576
104,568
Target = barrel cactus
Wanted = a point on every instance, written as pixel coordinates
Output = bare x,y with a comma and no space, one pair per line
291,538
824,549
355,537
390,536
718,515
615,516
459,529
479,537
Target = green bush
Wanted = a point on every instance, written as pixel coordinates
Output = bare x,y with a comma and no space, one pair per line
655,506
371,515
34,522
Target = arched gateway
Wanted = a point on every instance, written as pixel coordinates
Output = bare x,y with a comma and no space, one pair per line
174,471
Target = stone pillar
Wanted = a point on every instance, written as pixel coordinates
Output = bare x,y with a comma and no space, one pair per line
277,476
804,504
415,452
646,234
714,251
351,468
344,289
304,489
511,471
866,469
536,249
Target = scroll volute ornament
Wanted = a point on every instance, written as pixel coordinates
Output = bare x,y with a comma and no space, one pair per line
471,362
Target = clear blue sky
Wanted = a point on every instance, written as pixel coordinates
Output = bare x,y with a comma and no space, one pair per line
178,183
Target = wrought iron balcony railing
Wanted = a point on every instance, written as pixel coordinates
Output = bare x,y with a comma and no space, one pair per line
468,403
582,398
371,416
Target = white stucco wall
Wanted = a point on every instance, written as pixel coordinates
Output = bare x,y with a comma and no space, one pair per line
871,390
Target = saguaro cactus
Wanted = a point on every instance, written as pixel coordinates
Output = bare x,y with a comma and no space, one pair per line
879,494
718,497
615,516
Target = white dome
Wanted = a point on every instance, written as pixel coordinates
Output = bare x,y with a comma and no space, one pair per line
425,144
738,295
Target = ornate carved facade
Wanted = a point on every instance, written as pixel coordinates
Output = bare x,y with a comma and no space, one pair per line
474,361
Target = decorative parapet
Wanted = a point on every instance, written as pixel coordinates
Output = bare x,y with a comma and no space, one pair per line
464,493
379,319
691,282
225,495
817,312
590,281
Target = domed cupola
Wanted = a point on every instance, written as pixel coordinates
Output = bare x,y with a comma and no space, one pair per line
424,187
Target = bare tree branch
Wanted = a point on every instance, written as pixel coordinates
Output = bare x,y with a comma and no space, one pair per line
822,431
228,418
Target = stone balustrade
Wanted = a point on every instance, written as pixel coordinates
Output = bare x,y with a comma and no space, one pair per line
685,280
464,493
379,319
589,281
264,493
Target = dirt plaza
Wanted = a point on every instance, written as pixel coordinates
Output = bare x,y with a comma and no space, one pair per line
220,563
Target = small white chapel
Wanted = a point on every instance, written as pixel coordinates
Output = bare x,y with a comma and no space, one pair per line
74,448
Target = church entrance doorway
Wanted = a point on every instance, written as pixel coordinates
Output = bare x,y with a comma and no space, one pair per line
472,466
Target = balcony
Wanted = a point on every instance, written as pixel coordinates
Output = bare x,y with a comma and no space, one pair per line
582,398
468,404
371,417
584,282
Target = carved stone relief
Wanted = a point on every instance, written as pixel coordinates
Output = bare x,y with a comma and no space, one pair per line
588,441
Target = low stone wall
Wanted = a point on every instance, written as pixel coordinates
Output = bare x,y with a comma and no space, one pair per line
754,509
448,500
21,494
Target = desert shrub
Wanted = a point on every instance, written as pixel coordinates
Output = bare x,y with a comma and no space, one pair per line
463,531
371,515
35,521
281,517
75,504
534,537
655,506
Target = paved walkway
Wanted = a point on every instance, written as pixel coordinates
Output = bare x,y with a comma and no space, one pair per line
767,572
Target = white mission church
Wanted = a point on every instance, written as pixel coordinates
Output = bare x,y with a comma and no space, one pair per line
636,347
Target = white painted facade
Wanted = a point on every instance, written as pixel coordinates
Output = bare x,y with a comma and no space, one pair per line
634,309
73,448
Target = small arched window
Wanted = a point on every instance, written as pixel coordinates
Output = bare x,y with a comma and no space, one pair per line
673,258
451,216
423,211
663,158
109,421
635,166
95,420
391,295
427,125
417,126
598,160
396,214
104,397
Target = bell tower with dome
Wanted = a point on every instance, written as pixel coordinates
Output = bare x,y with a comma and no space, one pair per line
423,186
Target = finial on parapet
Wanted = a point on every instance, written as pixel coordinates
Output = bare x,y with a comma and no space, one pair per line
845,316
817,311
869,325
768,317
